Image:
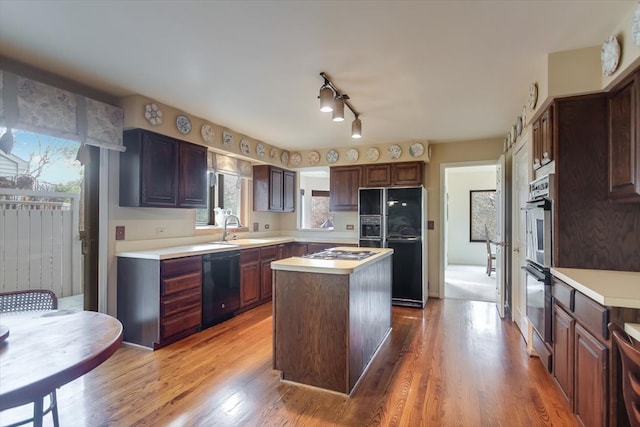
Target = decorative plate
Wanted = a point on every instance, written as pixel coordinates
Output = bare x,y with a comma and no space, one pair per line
207,133
332,156
273,154
284,158
153,114
635,26
245,148
513,133
533,95
227,139
524,116
352,155
416,150
183,124
394,151
518,125
260,149
295,159
610,55
314,157
373,154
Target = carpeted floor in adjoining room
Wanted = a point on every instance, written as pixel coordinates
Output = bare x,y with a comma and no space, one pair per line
469,282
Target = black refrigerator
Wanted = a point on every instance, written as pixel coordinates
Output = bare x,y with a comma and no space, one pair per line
401,212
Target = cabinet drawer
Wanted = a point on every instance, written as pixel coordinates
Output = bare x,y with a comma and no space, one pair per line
180,322
181,283
249,255
564,294
178,266
593,316
180,302
269,253
543,352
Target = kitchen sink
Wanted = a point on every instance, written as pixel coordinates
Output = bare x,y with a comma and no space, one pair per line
243,242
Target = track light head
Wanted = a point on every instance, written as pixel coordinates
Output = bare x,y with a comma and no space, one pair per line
338,109
356,128
326,98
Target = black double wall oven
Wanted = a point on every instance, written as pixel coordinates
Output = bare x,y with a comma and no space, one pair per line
538,251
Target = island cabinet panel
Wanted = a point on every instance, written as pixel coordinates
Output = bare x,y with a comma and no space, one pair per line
624,140
344,182
328,327
159,302
590,403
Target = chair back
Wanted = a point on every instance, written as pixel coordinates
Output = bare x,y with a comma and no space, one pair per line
630,373
29,300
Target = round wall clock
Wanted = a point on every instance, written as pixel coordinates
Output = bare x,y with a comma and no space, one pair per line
610,55
183,124
635,26
533,95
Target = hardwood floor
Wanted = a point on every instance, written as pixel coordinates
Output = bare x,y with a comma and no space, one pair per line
453,364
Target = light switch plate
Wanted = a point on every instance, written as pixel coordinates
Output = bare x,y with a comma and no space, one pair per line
119,232
350,227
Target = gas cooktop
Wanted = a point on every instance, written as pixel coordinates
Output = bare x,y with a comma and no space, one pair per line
340,254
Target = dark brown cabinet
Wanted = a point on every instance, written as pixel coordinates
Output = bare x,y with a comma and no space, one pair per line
168,293
393,174
249,277
344,182
267,255
624,140
590,399
543,138
160,171
273,189
563,327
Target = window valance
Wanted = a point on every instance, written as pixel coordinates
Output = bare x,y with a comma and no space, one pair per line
31,105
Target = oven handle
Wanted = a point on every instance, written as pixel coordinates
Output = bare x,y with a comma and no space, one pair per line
540,276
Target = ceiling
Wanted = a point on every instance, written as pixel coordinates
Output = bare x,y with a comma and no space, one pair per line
415,70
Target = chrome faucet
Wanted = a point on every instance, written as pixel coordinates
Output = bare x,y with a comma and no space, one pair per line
226,223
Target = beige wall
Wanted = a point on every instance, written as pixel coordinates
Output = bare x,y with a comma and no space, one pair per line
487,150
575,71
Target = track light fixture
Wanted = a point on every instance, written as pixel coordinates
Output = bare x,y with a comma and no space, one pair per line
332,100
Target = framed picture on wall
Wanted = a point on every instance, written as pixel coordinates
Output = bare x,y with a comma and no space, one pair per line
482,215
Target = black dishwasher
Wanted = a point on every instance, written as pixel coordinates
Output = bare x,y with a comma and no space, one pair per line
220,286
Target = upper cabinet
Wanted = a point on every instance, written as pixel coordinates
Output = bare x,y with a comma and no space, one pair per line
543,138
159,171
344,182
273,189
624,140
393,174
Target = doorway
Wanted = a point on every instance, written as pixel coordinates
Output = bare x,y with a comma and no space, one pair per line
469,213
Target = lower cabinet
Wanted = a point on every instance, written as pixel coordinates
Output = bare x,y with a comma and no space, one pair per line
267,255
586,364
159,302
249,277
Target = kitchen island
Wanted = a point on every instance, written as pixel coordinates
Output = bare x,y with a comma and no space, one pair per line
330,316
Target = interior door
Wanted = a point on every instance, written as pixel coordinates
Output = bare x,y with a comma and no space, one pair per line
521,179
500,235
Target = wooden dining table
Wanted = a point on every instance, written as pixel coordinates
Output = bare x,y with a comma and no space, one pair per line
46,350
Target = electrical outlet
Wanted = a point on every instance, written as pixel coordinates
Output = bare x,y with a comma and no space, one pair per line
160,230
119,232
256,226
350,227
431,225
266,226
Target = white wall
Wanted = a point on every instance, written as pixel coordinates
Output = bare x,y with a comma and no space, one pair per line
459,181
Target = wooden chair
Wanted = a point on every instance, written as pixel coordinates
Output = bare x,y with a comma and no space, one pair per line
630,373
491,257
32,300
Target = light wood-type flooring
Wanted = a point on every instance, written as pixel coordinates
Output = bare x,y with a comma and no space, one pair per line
453,364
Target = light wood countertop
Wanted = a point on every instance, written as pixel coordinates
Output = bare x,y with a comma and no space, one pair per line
330,266
607,287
